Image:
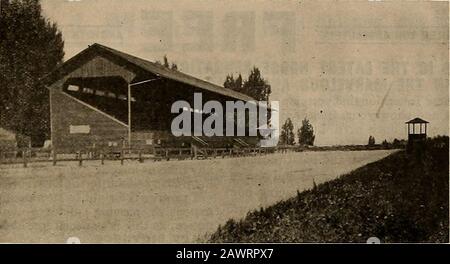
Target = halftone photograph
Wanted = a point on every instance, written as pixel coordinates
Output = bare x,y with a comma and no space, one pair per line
224,122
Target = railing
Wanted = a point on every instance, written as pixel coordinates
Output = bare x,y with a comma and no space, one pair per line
33,155
156,153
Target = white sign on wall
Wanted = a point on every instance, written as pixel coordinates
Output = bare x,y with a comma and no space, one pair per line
82,129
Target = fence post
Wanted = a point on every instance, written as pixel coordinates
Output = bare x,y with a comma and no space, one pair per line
80,158
121,156
24,158
140,157
102,157
54,155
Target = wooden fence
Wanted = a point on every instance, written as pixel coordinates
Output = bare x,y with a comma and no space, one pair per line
33,155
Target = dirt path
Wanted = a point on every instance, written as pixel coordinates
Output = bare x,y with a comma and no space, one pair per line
177,201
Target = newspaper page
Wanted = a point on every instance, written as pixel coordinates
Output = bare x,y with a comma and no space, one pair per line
224,121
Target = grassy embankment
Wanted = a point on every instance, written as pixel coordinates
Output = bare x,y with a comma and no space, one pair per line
401,198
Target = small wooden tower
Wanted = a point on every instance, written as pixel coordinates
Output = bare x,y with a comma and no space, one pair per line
417,131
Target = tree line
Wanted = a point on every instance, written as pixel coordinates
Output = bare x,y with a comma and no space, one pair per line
254,86
305,134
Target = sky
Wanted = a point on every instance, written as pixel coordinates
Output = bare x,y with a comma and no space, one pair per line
353,68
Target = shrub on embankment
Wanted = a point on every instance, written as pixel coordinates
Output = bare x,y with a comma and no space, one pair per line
401,198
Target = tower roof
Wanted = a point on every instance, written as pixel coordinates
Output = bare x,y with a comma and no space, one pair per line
417,120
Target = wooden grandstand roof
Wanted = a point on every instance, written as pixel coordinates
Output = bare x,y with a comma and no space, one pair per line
145,65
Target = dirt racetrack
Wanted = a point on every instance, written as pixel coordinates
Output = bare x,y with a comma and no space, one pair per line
164,202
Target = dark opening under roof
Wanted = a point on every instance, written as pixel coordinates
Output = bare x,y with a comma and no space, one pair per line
417,120
146,66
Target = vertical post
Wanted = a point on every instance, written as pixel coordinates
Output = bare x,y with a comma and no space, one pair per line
54,157
121,157
24,158
425,128
140,157
102,156
80,158
129,115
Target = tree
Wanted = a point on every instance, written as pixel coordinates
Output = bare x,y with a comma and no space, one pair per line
396,142
256,86
231,83
371,141
306,133
30,48
167,64
287,133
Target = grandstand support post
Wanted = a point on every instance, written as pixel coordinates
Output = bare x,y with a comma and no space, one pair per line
129,115
129,105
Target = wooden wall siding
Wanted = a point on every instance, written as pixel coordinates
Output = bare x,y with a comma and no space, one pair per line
67,111
101,67
96,67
